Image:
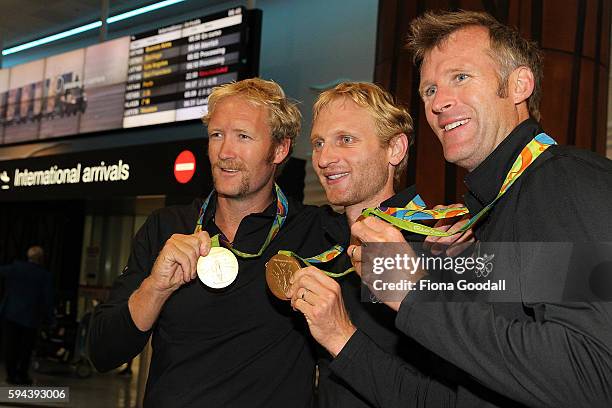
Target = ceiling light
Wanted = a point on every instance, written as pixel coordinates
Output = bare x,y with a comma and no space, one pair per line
90,26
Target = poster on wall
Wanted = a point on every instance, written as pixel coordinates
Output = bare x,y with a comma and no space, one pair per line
24,102
63,98
4,87
105,74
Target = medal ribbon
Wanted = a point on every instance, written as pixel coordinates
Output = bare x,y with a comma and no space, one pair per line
416,203
336,250
403,217
282,206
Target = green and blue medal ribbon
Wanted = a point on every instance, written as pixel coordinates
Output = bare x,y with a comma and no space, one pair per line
404,218
415,204
282,207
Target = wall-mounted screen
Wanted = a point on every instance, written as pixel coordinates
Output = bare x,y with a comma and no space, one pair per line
160,76
172,70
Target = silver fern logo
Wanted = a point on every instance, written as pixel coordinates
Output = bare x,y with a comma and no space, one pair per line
483,269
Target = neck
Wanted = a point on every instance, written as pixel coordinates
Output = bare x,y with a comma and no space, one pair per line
522,116
353,211
230,210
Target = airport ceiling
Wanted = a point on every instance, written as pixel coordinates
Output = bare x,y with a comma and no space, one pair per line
26,20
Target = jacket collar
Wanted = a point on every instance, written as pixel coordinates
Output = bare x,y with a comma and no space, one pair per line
485,181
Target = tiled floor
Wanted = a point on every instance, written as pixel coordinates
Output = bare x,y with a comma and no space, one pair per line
99,391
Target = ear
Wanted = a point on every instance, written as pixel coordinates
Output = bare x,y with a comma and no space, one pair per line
281,150
398,148
521,84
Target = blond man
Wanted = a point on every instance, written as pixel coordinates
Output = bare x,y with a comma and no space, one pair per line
360,139
233,345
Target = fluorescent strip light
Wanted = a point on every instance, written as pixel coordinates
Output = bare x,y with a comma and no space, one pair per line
52,38
142,10
90,26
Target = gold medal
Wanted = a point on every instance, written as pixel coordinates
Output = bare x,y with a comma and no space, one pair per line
279,270
218,269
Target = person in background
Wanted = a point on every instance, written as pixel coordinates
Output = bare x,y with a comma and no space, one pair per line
27,304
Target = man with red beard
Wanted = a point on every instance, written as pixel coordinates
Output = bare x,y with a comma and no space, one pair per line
221,340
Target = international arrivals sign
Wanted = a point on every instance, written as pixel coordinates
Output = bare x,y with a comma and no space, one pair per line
176,168
79,174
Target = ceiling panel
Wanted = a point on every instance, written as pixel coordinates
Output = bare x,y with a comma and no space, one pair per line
26,20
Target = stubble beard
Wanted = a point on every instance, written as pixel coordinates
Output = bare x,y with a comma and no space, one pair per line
370,182
244,187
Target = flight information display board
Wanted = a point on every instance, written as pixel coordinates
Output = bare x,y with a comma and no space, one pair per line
172,70
159,76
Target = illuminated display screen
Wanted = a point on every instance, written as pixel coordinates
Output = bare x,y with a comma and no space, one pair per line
173,70
156,77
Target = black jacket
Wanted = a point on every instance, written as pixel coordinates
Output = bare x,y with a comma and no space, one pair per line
237,347
528,351
376,321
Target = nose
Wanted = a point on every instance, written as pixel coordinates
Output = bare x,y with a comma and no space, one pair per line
443,100
326,156
227,149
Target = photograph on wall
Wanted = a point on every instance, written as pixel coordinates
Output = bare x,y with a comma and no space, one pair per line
105,74
4,87
64,98
24,102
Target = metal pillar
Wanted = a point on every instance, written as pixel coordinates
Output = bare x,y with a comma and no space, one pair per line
103,18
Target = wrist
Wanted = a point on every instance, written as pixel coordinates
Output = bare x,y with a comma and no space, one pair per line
336,344
156,292
145,305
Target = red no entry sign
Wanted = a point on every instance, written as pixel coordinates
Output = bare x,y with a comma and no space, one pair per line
184,166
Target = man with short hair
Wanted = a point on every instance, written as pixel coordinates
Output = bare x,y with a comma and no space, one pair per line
360,140
349,116
223,344
480,83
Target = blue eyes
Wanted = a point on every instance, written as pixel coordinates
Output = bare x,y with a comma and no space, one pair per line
219,135
318,144
431,90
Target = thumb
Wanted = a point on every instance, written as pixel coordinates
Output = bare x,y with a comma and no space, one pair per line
204,241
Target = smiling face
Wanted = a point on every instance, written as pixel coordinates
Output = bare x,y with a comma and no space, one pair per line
347,156
459,84
240,148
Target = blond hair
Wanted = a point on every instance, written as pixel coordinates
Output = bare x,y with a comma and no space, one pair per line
508,48
284,117
390,118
